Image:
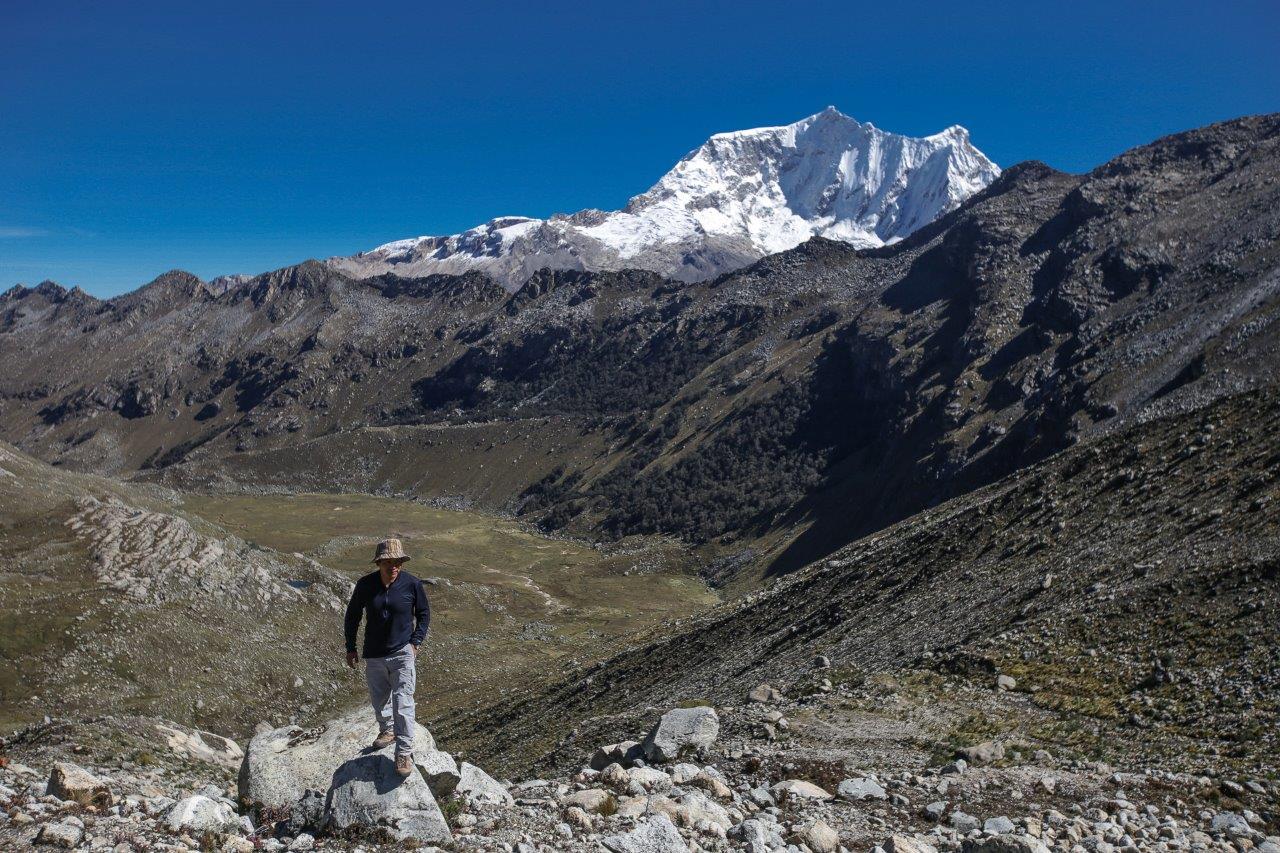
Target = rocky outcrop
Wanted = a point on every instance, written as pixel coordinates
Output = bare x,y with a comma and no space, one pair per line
158,557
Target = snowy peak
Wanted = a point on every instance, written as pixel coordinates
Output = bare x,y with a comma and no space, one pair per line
739,196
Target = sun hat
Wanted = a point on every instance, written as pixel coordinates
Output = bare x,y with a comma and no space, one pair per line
390,549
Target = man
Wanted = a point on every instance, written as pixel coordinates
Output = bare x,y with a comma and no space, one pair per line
397,616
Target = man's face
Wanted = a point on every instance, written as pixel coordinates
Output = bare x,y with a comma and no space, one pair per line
390,569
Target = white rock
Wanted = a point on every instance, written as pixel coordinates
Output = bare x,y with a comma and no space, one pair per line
199,813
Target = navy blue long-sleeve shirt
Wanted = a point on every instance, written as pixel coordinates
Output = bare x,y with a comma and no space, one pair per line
394,615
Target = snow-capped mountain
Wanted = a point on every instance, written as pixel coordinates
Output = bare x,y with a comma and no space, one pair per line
738,197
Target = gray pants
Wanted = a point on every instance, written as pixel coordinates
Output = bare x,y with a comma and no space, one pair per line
391,683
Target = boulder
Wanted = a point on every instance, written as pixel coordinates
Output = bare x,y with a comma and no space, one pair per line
962,822
199,814
997,825
983,753
440,771
623,753
1229,823
759,836
907,844
479,787
283,764
860,789
764,694
798,789
591,800
650,778
66,835
694,807
72,782
819,837
680,732
1006,843
368,795
1006,682
684,772
656,835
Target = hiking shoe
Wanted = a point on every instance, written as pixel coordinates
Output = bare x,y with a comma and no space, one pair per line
404,764
384,738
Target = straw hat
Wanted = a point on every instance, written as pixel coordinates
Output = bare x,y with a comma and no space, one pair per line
390,549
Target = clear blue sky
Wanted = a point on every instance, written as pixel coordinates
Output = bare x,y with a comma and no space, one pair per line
225,137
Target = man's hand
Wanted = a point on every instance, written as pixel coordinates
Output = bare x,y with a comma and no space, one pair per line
415,649
352,657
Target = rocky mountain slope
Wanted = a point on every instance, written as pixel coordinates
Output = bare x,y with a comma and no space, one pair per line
1128,587
738,197
774,413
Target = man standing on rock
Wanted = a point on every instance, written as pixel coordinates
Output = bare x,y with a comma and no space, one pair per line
397,616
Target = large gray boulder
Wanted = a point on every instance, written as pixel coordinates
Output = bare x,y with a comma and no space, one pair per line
681,732
369,796
657,835
281,765
861,789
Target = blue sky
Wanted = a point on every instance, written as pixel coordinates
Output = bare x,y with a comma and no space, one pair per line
220,137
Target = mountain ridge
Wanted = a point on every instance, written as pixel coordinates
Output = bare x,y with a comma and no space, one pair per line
739,196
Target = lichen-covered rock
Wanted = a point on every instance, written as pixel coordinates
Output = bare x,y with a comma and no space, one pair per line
368,795
860,789
681,732
624,753
66,835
